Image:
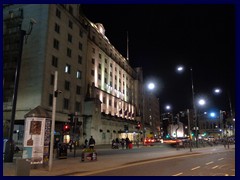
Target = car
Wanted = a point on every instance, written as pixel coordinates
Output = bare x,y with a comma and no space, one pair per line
149,141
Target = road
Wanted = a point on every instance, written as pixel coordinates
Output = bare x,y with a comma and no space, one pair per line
220,163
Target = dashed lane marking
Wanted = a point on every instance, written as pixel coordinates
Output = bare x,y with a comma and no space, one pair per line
214,167
195,168
209,163
178,174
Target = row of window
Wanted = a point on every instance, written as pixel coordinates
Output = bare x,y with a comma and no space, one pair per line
100,66
55,60
66,85
67,68
56,45
66,103
70,23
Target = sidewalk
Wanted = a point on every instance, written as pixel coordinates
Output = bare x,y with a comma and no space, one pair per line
75,165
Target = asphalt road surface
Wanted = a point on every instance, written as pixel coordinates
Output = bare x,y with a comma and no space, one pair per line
211,164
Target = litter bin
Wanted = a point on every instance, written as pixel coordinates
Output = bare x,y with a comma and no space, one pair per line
62,151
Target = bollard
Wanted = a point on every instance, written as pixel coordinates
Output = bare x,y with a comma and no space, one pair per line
22,167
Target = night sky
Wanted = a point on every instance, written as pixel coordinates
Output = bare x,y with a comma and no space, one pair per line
164,36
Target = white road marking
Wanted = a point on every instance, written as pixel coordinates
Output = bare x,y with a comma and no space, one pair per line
130,165
220,159
178,174
214,167
195,168
209,163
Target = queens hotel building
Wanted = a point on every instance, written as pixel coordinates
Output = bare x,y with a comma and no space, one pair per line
98,84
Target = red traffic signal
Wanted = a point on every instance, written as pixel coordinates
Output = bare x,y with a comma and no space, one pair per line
66,127
138,125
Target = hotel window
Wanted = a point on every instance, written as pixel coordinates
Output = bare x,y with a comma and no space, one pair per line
69,52
54,61
105,80
79,74
68,68
80,33
78,90
70,38
65,103
106,61
115,104
100,56
55,44
80,46
105,70
110,64
110,102
99,76
99,66
70,10
104,100
111,74
67,85
93,61
58,13
70,24
79,59
57,28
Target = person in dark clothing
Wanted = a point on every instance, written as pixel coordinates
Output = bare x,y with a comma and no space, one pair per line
127,143
122,143
91,143
86,143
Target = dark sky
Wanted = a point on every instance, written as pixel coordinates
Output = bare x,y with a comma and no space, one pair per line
164,36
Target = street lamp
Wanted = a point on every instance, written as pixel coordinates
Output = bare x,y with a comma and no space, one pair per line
14,21
151,87
218,91
201,102
181,69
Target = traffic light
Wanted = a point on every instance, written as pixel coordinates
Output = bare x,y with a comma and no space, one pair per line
71,118
138,125
66,128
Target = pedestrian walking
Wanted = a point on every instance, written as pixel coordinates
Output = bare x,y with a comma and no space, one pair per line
70,145
86,143
127,143
122,143
91,143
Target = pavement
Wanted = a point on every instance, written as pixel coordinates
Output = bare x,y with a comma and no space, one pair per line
73,165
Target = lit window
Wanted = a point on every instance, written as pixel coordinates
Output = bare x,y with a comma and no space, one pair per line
79,74
68,69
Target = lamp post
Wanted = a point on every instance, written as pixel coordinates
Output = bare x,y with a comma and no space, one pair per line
180,69
151,87
218,91
14,21
201,102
